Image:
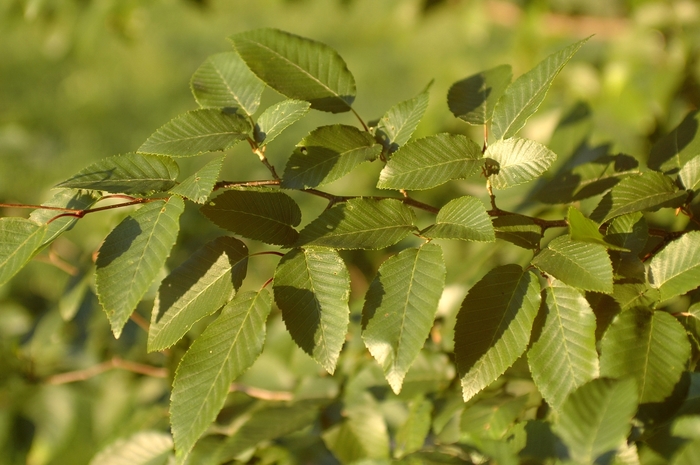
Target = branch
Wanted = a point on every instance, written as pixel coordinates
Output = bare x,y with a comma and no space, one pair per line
263,394
116,362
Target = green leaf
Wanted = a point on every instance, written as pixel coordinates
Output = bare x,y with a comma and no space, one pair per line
523,97
200,185
64,198
397,125
493,325
224,80
299,68
431,161
360,224
19,239
596,418
132,173
132,255
197,288
578,264
362,435
677,148
586,230
688,454
632,295
462,218
400,307
474,98
651,347
142,448
519,161
491,418
277,118
269,217
676,269
629,232
568,332
411,435
328,153
225,349
690,174
198,131
312,289
518,229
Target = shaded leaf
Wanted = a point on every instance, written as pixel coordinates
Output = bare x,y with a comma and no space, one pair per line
462,218
411,435
632,295
518,229
473,99
519,161
362,435
19,239
628,231
676,269
688,454
200,185
677,148
64,198
397,125
277,118
586,230
142,448
492,418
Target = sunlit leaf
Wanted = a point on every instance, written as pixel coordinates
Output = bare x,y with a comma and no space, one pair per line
519,161
674,150
63,198
277,118
473,99
397,124
462,218
676,269
690,174
492,418
199,186
142,448
19,239
688,454
635,295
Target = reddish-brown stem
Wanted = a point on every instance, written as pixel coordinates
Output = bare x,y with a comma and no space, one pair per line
53,259
259,393
82,213
267,283
140,321
268,252
116,362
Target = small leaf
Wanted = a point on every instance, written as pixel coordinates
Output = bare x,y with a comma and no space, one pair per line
474,98
197,288
224,80
462,218
199,186
19,239
360,224
269,217
397,125
629,232
690,174
519,161
578,264
400,307
198,131
312,289
361,435
299,68
586,230
523,97
518,229
142,448
132,255
411,435
677,148
328,153
277,118
64,198
493,325
431,161
676,269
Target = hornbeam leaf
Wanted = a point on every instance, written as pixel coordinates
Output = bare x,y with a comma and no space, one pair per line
493,325
676,269
132,173
198,131
411,435
579,264
568,332
142,448
277,118
400,307
586,230
462,218
64,198
328,153
674,150
651,347
474,98
519,161
360,224
690,174
198,186
224,80
312,289
19,239
269,217
523,97
431,161
132,255
197,288
518,229
397,124
299,68
226,349
360,437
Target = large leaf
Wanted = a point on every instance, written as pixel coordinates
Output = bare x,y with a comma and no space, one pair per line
299,68
596,418
676,269
199,186
19,239
462,218
198,131
360,224
579,264
474,98
568,332
312,289
142,448
431,161
397,124
225,349
493,325
400,307
224,80
269,217
328,153
197,288
674,150
132,255
277,118
519,161
650,347
132,173
523,97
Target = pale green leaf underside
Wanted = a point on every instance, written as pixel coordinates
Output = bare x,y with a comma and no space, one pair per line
474,98
200,185
676,269
142,448
519,160
312,289
431,161
399,309
132,255
19,239
277,118
398,123
197,288
462,218
690,174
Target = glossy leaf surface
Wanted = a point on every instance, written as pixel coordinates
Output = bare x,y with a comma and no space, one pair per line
473,99
462,218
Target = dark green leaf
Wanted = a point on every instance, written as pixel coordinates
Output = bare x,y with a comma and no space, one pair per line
518,229
199,186
519,161
473,99
678,147
277,118
19,239
462,218
676,269
397,124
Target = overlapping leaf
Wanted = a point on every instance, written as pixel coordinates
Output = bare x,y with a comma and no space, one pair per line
277,118
19,239
519,161
518,229
132,255
142,448
63,198
677,148
199,186
586,230
462,218
397,124
474,98
690,174
197,288
299,68
361,435
676,269
400,307
431,161
312,289
493,325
